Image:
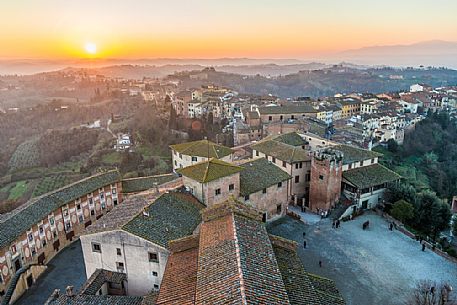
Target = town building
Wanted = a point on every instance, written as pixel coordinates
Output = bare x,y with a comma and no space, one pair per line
325,184
32,234
189,153
257,183
133,238
288,152
273,114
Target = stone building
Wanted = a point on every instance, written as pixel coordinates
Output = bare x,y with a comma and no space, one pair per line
288,152
133,238
186,154
325,185
227,264
273,114
212,181
33,233
257,183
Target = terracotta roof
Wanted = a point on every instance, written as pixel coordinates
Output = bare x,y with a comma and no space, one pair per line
260,174
210,170
180,279
233,261
367,176
171,216
202,148
353,154
23,218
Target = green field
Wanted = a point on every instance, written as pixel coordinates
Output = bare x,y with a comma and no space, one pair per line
112,158
18,190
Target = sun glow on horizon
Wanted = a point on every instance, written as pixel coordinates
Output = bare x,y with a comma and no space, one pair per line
91,48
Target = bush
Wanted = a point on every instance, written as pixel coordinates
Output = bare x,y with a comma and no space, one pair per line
402,210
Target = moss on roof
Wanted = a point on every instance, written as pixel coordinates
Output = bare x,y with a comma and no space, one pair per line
260,174
202,148
281,151
291,138
353,154
209,170
368,176
171,216
144,183
23,218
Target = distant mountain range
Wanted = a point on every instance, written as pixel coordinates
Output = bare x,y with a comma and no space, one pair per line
429,53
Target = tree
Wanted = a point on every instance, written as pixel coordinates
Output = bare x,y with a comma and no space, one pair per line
392,145
430,293
401,191
402,210
432,214
454,225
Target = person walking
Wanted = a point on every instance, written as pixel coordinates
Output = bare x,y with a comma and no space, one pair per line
391,226
304,244
320,264
333,224
338,223
423,246
304,234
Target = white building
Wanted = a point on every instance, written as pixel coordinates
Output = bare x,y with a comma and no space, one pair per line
138,245
186,154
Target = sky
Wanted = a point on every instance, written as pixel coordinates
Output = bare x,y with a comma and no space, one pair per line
214,28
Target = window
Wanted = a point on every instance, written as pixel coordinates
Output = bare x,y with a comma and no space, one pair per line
78,206
113,191
92,212
65,213
154,273
361,163
156,286
296,165
91,201
270,118
372,161
118,251
246,198
231,187
51,221
194,159
284,164
321,177
257,153
350,166
96,248
218,192
120,266
41,230
102,196
297,179
308,176
115,201
278,209
280,117
273,159
30,236
153,257
301,165
81,219
103,205
264,191
279,184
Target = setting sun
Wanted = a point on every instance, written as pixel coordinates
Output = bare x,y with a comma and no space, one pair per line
91,48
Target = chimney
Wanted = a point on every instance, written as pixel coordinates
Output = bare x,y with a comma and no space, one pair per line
55,295
69,291
145,213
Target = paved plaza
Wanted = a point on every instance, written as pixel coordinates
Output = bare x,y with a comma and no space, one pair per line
376,266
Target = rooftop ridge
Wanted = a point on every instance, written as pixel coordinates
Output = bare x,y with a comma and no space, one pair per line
229,207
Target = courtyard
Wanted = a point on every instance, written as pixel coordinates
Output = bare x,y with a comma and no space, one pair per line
66,268
370,267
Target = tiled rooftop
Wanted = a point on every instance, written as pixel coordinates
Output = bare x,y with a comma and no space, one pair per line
259,174
210,170
372,175
282,151
353,154
173,215
202,148
100,277
24,217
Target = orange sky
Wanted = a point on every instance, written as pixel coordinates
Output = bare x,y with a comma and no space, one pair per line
216,28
